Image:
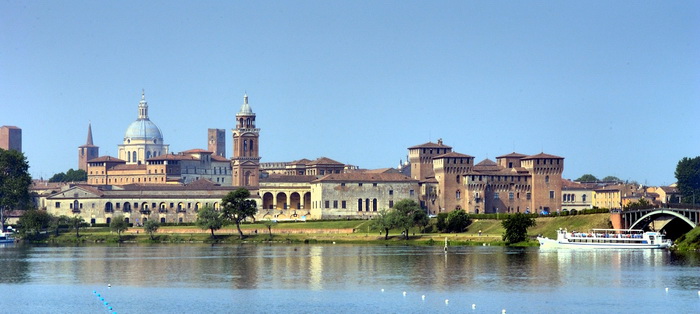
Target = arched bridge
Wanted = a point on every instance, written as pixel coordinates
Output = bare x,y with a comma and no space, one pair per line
674,221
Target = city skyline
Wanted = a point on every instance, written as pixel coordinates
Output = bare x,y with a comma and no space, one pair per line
611,87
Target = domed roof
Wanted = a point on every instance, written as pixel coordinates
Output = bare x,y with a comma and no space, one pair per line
143,129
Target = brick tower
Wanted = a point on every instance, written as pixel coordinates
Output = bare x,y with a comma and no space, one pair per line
245,162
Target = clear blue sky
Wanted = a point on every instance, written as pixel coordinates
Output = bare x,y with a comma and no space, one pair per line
612,86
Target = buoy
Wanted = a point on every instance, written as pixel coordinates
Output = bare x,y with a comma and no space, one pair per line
447,301
102,299
423,297
473,306
503,311
699,292
93,291
666,289
110,308
109,285
382,290
333,242
404,293
98,294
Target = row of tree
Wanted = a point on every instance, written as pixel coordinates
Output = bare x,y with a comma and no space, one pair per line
591,178
70,176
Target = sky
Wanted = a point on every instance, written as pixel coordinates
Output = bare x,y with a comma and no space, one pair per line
611,86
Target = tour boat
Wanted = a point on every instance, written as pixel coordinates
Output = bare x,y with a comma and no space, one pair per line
6,238
607,239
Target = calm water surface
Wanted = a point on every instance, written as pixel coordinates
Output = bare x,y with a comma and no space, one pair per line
344,279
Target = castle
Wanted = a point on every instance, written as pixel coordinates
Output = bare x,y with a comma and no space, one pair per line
147,181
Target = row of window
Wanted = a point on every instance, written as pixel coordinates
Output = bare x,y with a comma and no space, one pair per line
572,197
109,206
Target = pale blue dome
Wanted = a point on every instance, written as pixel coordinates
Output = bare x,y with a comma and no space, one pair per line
144,129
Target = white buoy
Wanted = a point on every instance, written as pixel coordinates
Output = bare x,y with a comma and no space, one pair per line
404,293
503,311
447,301
109,285
473,306
423,297
382,289
698,292
666,289
333,242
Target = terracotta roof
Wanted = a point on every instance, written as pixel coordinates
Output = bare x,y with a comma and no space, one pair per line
218,158
487,165
452,155
302,161
668,189
572,185
512,155
173,157
106,158
365,177
324,161
543,155
280,178
197,150
430,145
382,170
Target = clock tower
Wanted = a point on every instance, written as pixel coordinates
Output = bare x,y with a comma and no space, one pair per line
245,162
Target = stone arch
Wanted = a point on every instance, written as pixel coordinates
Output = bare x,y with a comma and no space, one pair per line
307,200
295,200
161,207
108,207
268,200
281,200
663,212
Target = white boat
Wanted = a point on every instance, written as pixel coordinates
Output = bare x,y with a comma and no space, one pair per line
607,239
6,237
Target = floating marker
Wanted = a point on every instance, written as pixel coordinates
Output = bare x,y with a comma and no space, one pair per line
423,297
102,299
447,301
98,294
404,293
382,290
503,311
110,308
106,303
473,306
93,291
109,285
666,289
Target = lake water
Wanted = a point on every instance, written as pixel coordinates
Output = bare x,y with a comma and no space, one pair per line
343,279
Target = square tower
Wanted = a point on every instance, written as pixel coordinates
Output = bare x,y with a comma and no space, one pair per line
217,141
11,138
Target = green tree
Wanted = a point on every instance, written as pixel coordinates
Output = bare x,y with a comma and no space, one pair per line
612,179
442,222
32,222
70,176
405,211
77,222
384,220
14,182
56,222
119,225
269,224
587,178
151,226
642,203
237,207
688,179
421,219
457,221
208,218
516,227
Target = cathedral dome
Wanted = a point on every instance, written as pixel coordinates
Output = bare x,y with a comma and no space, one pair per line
144,129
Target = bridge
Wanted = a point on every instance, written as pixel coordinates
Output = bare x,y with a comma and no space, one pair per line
673,221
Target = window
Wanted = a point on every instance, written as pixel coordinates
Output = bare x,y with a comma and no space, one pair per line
546,179
359,184
342,184
458,194
457,178
343,204
411,192
374,205
391,204
359,204
496,196
335,204
511,195
328,204
528,196
551,194
583,198
374,184
391,192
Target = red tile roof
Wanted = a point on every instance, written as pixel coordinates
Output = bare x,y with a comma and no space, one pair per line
430,145
365,177
542,155
512,155
324,161
452,155
106,158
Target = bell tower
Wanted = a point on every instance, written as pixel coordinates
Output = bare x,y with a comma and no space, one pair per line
87,151
245,162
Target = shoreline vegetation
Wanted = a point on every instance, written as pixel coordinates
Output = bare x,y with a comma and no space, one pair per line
479,232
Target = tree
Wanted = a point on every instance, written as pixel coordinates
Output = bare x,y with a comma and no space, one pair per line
516,227
269,224
442,222
612,179
457,221
14,182
70,176
208,218
688,179
151,226
33,221
406,210
642,203
384,220
237,207
587,178
119,225
77,222
56,222
421,219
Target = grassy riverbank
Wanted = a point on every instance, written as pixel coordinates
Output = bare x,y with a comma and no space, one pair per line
339,231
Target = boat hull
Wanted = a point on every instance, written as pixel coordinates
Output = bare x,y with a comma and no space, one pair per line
550,243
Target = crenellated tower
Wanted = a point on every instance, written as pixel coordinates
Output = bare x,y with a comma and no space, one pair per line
245,162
